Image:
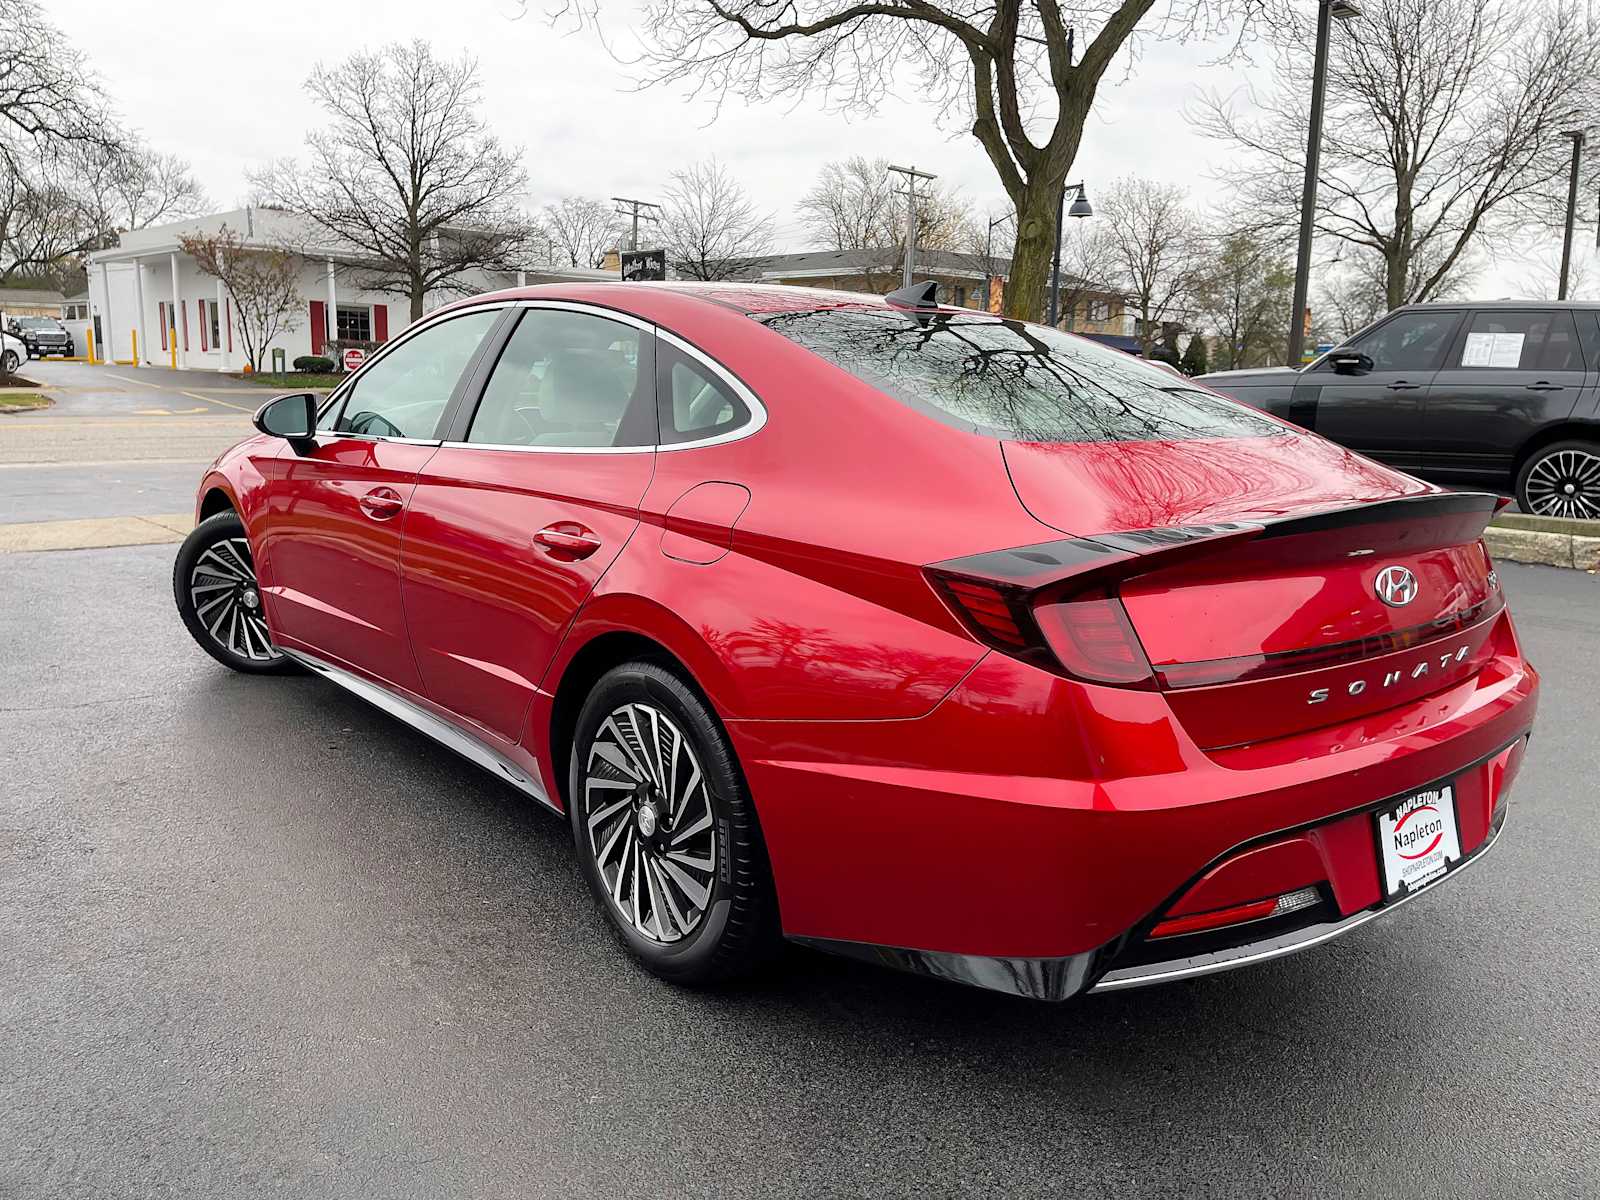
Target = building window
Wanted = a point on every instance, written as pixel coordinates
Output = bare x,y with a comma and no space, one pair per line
216,326
1099,310
961,297
354,323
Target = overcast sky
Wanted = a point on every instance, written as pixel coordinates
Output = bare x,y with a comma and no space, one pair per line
221,83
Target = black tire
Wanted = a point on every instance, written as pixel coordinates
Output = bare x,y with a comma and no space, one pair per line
214,561
737,929
9,363
1561,480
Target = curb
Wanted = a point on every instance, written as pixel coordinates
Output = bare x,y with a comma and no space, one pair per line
1546,541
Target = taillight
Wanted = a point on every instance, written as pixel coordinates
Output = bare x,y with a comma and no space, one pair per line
1238,914
1085,636
1092,638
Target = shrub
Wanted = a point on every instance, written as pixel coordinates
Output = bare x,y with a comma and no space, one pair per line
315,364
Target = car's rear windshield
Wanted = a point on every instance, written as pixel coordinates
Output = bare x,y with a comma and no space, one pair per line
1023,382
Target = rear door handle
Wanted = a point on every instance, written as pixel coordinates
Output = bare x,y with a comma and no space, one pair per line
382,503
1400,385
1543,386
567,540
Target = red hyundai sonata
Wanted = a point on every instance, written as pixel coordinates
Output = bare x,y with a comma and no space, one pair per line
911,633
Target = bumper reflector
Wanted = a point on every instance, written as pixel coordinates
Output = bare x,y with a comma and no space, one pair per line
1238,914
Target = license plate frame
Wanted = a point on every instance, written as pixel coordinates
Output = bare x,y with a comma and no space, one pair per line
1417,838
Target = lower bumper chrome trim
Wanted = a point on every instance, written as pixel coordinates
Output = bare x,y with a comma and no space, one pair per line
1269,948
446,733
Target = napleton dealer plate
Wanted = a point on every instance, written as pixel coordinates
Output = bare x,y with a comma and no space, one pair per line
1417,839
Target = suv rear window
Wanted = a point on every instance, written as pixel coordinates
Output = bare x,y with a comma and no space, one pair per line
1022,382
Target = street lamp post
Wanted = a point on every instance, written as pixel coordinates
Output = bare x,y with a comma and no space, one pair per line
1327,10
988,259
1572,210
1080,208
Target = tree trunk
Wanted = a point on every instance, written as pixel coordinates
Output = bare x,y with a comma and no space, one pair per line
1028,289
417,296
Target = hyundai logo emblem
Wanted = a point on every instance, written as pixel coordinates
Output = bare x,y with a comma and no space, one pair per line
1396,586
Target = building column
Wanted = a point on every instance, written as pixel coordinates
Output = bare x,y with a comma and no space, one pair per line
522,279
138,307
330,319
176,317
222,331
108,351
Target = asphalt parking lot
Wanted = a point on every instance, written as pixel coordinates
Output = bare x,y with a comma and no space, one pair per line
261,940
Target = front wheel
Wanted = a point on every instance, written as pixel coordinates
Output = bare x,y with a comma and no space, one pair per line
9,363
666,831
214,583
1561,480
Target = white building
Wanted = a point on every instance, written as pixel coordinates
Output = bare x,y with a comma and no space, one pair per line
148,293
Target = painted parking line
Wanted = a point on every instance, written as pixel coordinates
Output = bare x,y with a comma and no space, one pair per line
93,533
141,383
214,400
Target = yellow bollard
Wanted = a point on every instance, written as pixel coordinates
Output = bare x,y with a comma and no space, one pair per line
89,333
135,347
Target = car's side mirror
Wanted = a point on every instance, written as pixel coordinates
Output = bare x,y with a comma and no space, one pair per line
293,417
1350,362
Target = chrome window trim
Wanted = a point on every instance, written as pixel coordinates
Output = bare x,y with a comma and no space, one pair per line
758,411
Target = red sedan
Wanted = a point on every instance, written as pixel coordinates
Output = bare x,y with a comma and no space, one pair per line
911,633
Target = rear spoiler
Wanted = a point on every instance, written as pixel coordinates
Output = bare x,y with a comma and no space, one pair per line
1106,556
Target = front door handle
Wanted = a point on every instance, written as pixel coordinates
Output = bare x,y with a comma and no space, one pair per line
567,541
1545,386
382,503
1400,385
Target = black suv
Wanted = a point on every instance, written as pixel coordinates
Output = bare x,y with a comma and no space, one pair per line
1507,391
43,335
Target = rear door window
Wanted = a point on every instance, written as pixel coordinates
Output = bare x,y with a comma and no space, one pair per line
1024,382
569,379
1532,339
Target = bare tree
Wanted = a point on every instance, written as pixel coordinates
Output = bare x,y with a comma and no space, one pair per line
1005,69
1542,280
855,205
1243,297
579,230
1443,124
262,282
130,186
710,227
406,173
1154,243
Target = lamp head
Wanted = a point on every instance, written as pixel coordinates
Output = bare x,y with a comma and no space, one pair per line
1081,206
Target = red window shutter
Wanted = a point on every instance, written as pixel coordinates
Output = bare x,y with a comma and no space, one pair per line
183,311
161,315
380,322
227,321
200,312
318,330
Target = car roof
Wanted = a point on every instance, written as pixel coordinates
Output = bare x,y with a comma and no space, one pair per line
748,298
1501,304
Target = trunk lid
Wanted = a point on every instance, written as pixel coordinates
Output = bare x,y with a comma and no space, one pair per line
1263,635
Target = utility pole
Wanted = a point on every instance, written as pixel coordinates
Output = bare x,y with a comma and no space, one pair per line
912,175
1327,12
1572,211
636,209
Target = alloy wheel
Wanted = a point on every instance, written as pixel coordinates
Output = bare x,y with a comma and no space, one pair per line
1565,484
650,826
227,600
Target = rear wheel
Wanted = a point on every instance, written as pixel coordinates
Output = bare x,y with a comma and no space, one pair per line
214,583
9,363
1562,480
665,829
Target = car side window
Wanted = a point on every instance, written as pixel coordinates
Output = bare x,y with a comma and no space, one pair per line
569,379
404,393
1543,339
695,402
1412,341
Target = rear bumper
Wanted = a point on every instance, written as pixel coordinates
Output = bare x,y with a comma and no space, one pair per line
1029,831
